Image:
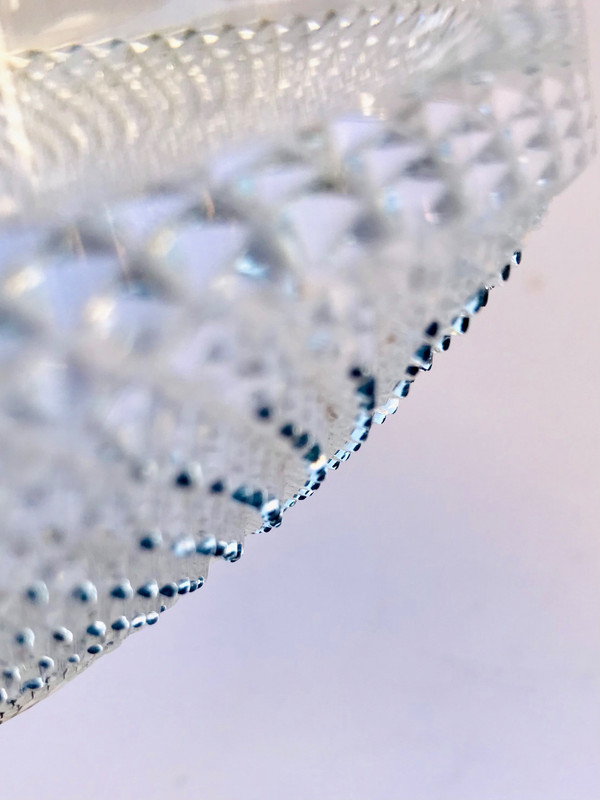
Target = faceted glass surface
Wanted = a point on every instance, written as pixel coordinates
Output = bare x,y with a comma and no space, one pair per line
227,251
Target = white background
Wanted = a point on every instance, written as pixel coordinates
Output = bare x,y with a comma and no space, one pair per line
427,627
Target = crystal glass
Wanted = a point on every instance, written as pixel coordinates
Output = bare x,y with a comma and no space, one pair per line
233,235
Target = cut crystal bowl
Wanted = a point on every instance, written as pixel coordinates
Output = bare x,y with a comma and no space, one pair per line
233,235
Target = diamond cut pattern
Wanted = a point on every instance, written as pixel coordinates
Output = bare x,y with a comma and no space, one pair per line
185,360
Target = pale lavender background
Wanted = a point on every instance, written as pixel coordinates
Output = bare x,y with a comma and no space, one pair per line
426,628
